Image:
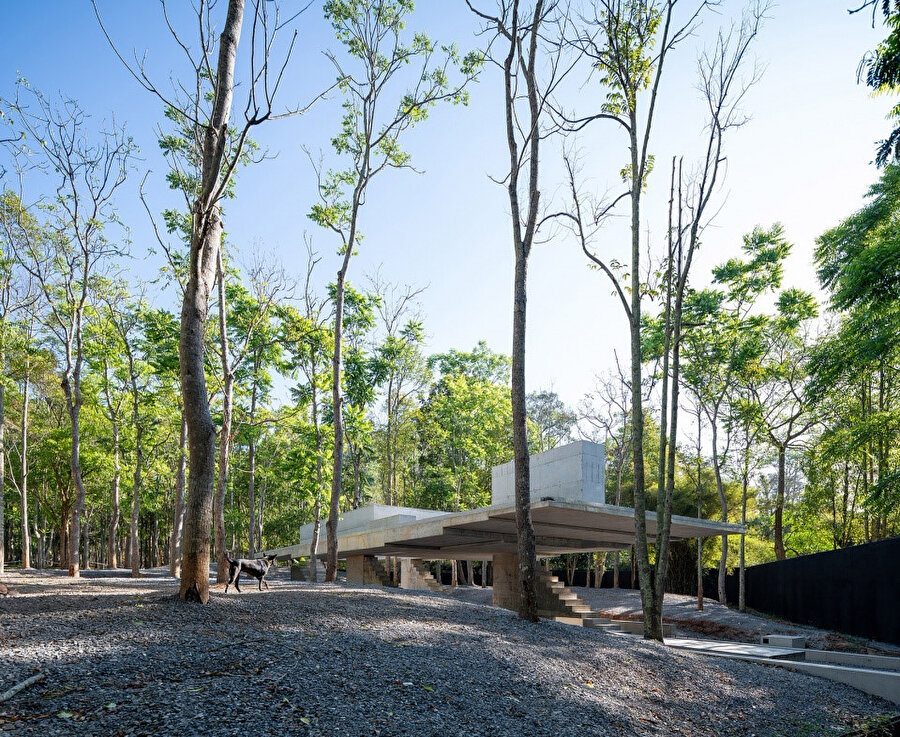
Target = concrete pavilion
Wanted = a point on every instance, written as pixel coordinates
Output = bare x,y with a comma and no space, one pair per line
568,513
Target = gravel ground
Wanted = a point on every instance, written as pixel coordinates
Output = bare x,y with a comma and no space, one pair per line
126,657
716,621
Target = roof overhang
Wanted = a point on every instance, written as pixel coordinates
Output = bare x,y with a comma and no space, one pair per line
559,526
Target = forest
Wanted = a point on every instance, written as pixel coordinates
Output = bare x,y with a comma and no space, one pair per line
155,409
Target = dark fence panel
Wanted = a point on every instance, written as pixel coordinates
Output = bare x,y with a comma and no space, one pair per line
853,590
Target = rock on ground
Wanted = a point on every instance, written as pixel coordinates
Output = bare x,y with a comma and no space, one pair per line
126,657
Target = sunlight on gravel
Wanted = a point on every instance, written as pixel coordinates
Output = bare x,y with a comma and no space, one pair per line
126,657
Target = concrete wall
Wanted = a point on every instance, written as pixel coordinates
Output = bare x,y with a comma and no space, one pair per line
576,471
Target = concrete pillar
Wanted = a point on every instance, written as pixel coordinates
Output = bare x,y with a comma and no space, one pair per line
506,581
361,569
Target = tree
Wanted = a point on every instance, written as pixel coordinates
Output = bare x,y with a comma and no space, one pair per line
777,384
605,410
239,340
532,71
551,419
881,69
858,262
372,127
217,150
66,266
307,340
17,296
628,43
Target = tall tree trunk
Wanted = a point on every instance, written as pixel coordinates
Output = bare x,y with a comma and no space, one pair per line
178,517
652,613
337,411
723,504
72,390
317,506
23,485
206,237
259,515
111,558
524,526
779,506
136,495
86,548
2,464
225,431
154,539
745,482
251,460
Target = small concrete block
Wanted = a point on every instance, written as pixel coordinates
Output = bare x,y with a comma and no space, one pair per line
783,640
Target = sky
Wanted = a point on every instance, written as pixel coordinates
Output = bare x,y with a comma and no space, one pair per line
803,159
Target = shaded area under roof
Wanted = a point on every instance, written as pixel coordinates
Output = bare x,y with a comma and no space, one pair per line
559,526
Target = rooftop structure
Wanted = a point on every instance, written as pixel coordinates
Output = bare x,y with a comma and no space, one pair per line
567,510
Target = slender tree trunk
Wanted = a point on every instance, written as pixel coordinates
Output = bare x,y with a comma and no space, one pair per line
524,527
337,403
23,485
72,390
259,516
779,506
86,548
251,461
742,604
317,506
225,431
111,558
723,503
652,613
178,517
136,497
2,465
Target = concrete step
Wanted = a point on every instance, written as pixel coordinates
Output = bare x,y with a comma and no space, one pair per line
579,608
637,628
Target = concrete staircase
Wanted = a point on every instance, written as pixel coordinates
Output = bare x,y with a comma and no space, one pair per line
557,601
374,569
425,578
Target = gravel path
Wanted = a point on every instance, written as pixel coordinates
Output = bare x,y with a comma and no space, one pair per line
126,657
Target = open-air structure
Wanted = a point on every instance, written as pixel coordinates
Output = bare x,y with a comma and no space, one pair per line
568,513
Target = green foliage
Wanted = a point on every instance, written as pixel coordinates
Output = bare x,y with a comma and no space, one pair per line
881,69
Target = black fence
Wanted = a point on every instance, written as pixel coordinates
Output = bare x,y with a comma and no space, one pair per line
853,590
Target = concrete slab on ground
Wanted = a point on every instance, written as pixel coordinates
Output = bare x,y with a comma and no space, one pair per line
717,647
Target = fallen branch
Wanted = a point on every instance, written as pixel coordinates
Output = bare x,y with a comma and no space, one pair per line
20,686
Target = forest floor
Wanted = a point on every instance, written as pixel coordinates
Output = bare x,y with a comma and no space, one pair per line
124,656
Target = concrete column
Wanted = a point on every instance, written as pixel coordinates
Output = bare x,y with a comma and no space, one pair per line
361,569
506,581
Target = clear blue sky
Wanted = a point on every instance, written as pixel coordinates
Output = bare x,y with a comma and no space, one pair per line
803,160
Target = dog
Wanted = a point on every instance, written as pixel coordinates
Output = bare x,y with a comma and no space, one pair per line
256,568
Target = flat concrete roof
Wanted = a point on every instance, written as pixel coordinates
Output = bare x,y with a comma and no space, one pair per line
560,527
